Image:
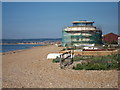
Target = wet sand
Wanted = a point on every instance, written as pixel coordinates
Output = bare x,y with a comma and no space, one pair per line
30,69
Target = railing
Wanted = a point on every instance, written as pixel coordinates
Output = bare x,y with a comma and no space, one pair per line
66,60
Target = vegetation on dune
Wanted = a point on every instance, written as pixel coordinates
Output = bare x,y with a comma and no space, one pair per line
109,62
78,58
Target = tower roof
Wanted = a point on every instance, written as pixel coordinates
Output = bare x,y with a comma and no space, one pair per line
82,21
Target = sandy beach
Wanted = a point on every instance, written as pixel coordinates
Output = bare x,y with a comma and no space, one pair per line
31,69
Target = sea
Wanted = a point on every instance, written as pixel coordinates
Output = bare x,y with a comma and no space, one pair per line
12,47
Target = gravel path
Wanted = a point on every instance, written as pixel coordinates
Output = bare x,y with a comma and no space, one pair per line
30,69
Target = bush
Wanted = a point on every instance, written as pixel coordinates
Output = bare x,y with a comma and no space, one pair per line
116,57
63,49
114,42
57,60
78,67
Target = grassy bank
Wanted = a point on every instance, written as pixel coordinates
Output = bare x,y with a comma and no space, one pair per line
109,62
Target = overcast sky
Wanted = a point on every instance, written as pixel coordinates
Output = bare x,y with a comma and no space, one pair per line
47,19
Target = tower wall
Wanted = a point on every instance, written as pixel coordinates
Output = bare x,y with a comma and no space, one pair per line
81,35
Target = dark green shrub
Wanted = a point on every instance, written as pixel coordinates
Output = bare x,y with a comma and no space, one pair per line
78,67
57,60
116,57
63,49
114,42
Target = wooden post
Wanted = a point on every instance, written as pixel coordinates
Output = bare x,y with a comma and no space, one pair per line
61,61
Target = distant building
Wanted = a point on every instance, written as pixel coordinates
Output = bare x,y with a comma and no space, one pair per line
110,38
81,33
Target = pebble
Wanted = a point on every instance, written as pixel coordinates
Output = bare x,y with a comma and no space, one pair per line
47,74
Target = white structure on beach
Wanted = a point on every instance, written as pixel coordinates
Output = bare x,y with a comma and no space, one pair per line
119,40
53,55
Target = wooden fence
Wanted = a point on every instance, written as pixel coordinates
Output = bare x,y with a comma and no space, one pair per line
66,59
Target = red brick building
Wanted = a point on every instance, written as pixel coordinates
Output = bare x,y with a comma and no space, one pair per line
110,37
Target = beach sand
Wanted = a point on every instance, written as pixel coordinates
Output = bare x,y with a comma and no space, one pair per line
30,69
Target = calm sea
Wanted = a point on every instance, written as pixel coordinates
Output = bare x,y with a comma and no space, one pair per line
7,48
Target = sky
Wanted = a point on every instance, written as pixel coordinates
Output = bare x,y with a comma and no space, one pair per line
0,20
25,20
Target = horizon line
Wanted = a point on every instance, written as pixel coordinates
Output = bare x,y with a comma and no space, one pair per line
31,38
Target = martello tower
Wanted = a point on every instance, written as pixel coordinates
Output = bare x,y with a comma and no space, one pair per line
81,33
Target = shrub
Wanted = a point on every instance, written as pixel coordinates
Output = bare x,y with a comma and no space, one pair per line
78,67
63,49
57,60
116,57
114,42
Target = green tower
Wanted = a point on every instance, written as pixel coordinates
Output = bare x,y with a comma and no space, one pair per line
81,33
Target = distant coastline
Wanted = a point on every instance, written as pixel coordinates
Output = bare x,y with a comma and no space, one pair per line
42,41
20,44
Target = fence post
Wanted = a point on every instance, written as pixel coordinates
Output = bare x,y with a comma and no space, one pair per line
61,61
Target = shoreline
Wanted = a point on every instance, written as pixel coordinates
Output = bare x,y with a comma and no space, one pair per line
44,43
20,50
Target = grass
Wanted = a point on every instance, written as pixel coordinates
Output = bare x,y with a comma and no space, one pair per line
109,62
78,58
